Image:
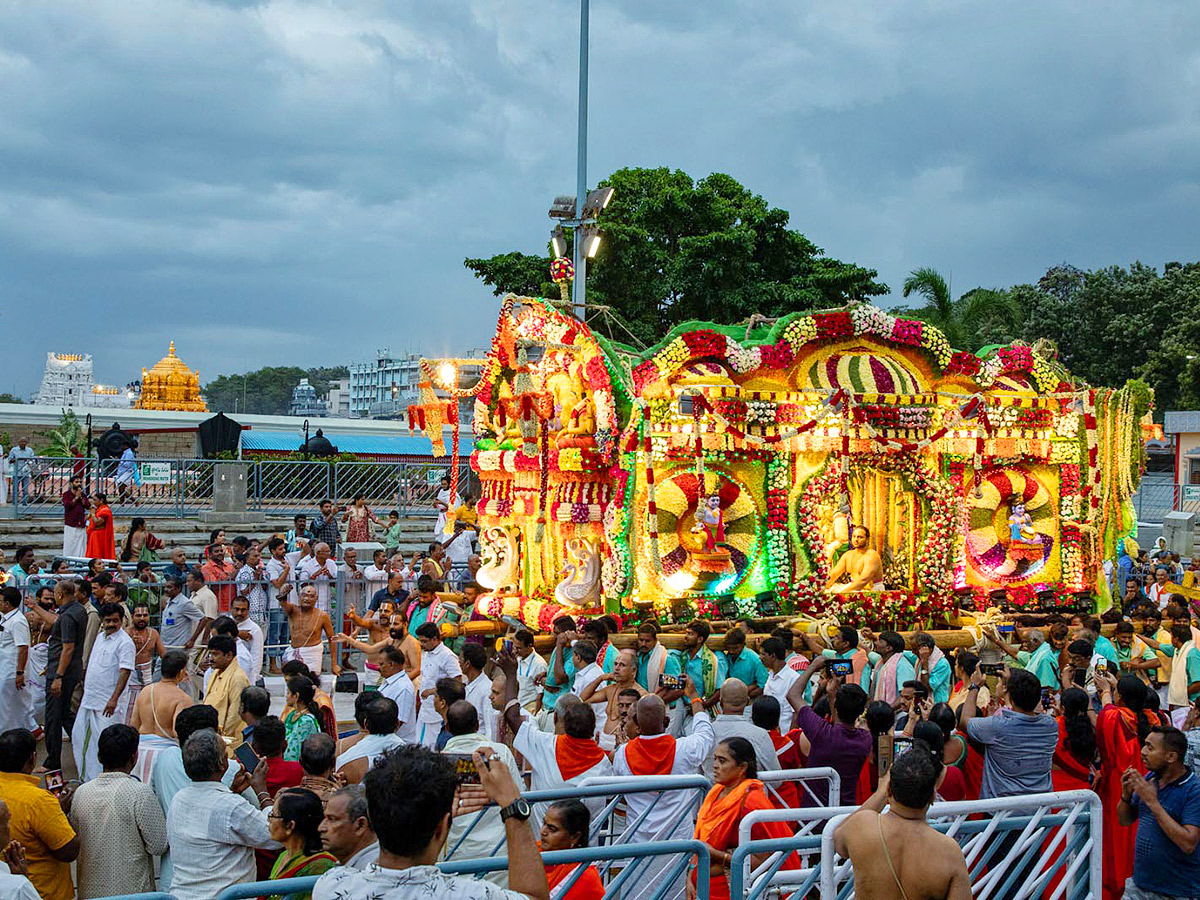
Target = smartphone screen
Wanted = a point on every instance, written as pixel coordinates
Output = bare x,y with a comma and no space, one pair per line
842,668
54,781
464,768
247,757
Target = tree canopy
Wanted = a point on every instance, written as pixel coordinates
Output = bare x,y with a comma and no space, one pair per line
980,317
267,391
675,249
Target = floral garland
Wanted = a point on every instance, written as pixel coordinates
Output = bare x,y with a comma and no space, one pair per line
861,320
779,559
933,562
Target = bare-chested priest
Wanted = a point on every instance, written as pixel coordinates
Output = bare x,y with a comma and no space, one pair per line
310,628
622,678
861,565
896,854
155,710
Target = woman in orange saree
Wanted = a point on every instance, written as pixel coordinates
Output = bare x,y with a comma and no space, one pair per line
1121,729
737,791
1073,758
566,827
101,537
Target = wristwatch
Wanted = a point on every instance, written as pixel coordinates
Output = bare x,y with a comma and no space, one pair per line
518,810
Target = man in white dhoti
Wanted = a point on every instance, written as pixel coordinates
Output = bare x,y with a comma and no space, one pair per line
654,752
16,702
75,512
105,690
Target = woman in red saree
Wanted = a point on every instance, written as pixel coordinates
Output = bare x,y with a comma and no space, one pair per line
1121,729
737,791
566,827
101,537
1074,757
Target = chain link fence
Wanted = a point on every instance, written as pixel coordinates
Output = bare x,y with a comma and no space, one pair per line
183,488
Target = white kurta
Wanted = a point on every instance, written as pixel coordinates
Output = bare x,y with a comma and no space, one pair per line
111,654
540,750
16,707
672,818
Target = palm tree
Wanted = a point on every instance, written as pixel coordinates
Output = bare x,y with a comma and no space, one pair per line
978,316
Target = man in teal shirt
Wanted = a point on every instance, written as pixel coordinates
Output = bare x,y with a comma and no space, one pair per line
1181,637
560,669
653,659
743,664
702,665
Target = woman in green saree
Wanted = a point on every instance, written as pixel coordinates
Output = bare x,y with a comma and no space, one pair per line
294,820
304,716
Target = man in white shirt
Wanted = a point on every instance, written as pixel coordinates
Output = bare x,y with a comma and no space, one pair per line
733,723
774,656
458,551
213,833
483,836
587,671
377,573
201,595
278,571
654,752
411,799
437,661
380,720
321,571
19,469
398,687
529,667
556,759
105,690
250,635
479,687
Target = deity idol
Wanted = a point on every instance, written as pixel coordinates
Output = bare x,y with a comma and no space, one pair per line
710,519
860,564
1020,525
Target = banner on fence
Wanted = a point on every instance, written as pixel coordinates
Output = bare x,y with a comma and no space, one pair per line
155,472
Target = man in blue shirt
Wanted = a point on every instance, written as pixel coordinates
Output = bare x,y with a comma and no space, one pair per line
560,669
1166,807
743,664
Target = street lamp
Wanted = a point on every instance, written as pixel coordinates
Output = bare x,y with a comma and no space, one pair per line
558,240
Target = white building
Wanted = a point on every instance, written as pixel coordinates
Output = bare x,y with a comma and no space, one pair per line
337,400
305,401
68,381
386,388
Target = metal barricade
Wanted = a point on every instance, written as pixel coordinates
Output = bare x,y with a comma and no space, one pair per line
378,482
288,487
1014,852
609,825
633,858
803,779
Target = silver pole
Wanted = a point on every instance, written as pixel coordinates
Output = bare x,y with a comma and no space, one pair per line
581,170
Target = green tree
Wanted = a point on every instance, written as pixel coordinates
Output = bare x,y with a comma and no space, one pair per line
266,391
1118,323
68,434
980,317
10,398
675,250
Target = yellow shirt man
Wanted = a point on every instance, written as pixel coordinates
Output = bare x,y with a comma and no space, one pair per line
41,827
225,695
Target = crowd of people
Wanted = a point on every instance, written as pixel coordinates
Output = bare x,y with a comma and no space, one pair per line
187,780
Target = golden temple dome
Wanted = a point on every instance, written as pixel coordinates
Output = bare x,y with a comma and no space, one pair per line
170,384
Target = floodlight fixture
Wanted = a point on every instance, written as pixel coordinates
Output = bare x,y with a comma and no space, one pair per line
596,201
558,241
563,207
589,235
534,353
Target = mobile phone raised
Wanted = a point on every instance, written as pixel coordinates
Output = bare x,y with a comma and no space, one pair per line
671,682
991,668
247,757
464,768
842,668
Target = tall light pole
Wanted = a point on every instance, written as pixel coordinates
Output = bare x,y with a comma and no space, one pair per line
581,163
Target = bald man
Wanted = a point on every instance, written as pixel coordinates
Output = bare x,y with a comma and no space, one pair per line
556,760
622,677
732,722
654,752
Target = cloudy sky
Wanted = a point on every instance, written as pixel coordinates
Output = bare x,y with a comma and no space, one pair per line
298,182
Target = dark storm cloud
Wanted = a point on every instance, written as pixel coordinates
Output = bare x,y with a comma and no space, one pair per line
292,182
